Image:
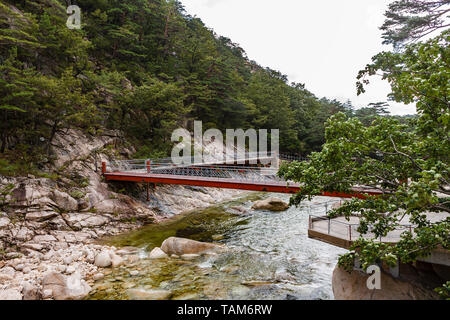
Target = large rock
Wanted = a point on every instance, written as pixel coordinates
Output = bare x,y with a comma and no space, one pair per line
65,288
64,201
180,246
6,274
10,294
271,204
31,292
353,286
85,220
40,216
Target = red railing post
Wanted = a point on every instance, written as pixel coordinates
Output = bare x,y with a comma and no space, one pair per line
350,232
103,167
149,166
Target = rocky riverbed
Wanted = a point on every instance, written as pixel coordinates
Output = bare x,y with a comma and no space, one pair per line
49,224
262,254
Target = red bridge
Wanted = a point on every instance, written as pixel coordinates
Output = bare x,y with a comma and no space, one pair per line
248,173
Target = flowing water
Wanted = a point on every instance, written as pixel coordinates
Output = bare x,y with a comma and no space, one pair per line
270,257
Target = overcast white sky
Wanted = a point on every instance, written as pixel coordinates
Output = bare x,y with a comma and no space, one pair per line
322,43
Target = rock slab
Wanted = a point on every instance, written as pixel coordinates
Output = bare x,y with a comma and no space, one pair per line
181,246
65,288
271,204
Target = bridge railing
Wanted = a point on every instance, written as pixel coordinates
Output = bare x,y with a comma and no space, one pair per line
247,174
139,164
292,157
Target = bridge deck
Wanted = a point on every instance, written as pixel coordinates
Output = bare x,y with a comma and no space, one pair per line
226,183
214,174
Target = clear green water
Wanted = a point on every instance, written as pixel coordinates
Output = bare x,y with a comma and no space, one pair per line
270,257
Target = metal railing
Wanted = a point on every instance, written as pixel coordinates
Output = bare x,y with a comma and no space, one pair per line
292,157
225,160
349,231
262,174
218,168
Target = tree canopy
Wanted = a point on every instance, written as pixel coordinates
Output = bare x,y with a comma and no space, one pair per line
411,20
408,161
144,67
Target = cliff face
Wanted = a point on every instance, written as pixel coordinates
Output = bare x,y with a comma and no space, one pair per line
46,221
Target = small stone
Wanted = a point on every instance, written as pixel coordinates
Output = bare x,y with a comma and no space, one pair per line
26,270
116,261
61,268
187,296
141,294
98,276
47,294
8,270
49,255
157,253
19,267
68,260
30,292
134,273
4,222
70,269
103,259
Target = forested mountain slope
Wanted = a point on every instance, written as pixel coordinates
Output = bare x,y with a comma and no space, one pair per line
144,67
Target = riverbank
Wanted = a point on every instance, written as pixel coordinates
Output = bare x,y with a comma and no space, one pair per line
49,224
29,269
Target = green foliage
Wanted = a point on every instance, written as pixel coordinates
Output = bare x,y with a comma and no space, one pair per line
5,191
77,194
406,160
144,67
410,20
444,291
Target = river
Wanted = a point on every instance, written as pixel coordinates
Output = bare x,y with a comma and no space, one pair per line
270,256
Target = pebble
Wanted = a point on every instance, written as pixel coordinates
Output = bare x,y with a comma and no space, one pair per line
134,273
98,276
70,269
